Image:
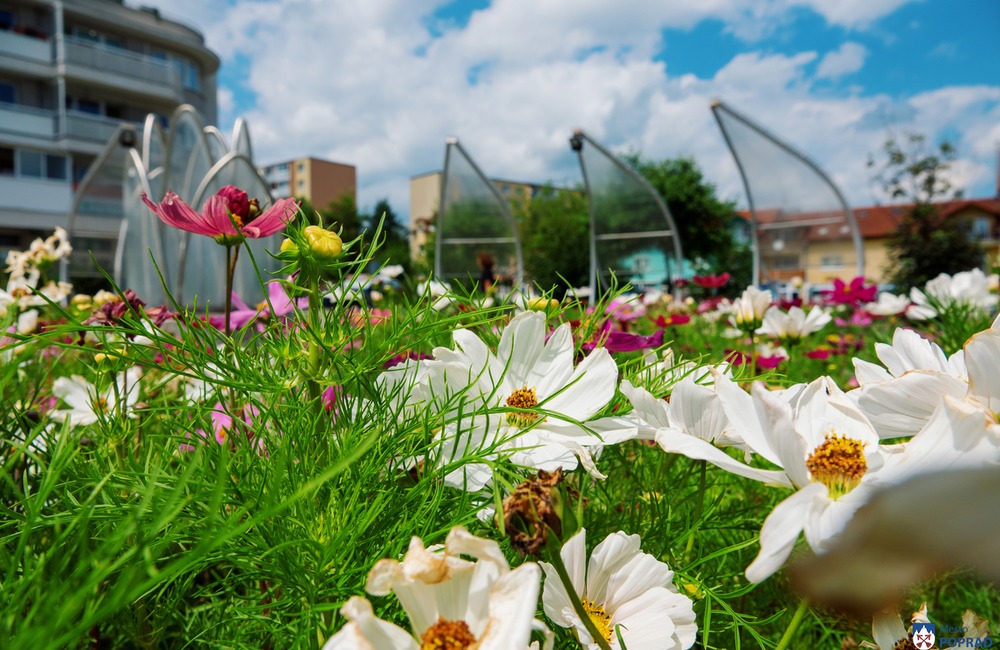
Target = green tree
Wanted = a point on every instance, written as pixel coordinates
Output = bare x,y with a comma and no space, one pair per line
705,222
555,238
395,248
926,243
343,213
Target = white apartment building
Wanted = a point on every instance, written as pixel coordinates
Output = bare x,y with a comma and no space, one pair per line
70,72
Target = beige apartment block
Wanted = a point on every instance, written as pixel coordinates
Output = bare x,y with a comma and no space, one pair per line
321,182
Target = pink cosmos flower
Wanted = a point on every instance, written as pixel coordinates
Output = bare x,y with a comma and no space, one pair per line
860,318
245,314
215,221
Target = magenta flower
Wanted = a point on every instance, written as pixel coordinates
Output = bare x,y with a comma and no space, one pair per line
855,293
671,320
219,213
712,281
860,318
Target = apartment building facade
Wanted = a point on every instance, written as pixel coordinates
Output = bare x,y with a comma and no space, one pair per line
70,72
320,181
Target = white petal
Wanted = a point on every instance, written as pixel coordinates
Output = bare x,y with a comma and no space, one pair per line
637,576
615,551
521,344
887,630
589,389
651,621
780,530
739,408
678,442
366,632
697,410
652,410
983,361
867,372
901,407
512,606
776,418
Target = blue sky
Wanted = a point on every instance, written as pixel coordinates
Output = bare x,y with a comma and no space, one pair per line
380,84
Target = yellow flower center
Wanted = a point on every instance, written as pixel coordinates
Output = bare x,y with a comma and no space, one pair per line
447,635
838,463
904,644
523,398
600,618
100,405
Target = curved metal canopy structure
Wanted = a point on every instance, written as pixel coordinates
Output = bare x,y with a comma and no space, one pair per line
193,161
632,234
473,218
800,221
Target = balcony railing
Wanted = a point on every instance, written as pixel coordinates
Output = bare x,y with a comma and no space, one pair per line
28,48
121,62
27,120
94,128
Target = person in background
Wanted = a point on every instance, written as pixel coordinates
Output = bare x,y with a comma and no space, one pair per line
487,277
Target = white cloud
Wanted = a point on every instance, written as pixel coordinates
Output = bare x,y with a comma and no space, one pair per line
367,83
847,60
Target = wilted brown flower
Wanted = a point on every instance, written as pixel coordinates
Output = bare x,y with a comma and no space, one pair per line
535,507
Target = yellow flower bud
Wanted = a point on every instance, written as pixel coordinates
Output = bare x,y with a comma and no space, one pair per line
543,304
288,246
324,243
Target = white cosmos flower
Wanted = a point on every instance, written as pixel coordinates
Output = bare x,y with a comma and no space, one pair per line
888,304
482,604
438,292
555,400
86,406
900,398
694,424
830,451
826,448
624,590
747,311
665,370
794,324
967,287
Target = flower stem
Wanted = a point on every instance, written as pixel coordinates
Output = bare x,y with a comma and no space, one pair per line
698,508
800,613
555,559
232,252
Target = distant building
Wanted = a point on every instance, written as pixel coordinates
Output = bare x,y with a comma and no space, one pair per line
320,181
70,72
827,253
425,199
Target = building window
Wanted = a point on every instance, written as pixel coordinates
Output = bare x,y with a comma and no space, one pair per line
302,167
30,164
785,262
831,262
6,161
7,93
981,228
55,167
35,164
